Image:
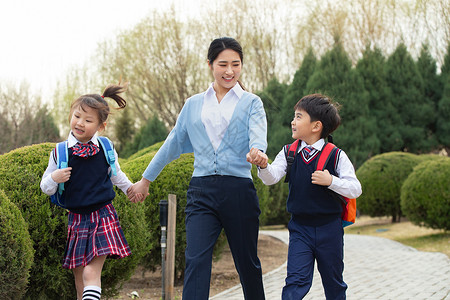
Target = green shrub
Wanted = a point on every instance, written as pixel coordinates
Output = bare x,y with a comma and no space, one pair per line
20,175
262,191
425,194
16,250
174,179
381,178
273,202
143,151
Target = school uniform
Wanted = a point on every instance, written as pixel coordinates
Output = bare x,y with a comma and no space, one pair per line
315,228
93,225
221,193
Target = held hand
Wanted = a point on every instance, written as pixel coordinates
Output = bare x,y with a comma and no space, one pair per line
322,177
257,157
139,191
138,198
61,175
133,196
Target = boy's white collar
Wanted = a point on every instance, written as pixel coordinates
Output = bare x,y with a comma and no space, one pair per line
317,145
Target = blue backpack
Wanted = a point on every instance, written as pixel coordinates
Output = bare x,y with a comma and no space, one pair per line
62,160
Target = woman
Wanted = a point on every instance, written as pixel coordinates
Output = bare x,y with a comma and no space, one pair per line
220,126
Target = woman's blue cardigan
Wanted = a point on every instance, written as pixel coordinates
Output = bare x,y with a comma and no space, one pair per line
247,129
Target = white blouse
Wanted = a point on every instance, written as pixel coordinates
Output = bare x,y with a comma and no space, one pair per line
216,116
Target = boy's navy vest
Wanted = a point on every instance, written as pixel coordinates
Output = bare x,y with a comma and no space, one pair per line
311,204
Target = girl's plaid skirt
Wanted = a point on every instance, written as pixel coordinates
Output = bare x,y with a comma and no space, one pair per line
95,234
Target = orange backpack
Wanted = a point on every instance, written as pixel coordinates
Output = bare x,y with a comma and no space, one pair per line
348,205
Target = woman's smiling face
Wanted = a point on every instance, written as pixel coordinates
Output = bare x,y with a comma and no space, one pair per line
226,69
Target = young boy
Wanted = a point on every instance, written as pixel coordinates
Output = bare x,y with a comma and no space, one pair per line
315,228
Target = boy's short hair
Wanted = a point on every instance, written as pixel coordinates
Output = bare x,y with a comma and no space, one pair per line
320,108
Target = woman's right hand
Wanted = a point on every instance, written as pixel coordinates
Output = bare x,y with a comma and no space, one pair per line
257,157
61,175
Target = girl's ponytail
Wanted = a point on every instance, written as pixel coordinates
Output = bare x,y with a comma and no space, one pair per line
98,102
112,91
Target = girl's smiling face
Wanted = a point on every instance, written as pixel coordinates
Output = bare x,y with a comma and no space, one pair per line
85,122
226,70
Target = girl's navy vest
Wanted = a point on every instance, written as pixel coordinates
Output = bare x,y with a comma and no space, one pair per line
89,187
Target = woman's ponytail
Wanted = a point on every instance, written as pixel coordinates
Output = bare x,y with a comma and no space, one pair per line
242,85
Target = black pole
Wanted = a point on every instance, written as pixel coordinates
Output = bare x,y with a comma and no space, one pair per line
163,214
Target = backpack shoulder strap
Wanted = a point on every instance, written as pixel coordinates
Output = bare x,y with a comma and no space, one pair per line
108,149
62,160
62,156
290,151
324,156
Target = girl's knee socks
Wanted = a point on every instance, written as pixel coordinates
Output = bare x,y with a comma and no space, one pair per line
92,292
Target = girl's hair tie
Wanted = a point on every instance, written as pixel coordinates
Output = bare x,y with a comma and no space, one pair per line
103,97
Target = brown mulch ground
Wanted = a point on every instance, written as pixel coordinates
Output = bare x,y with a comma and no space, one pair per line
271,252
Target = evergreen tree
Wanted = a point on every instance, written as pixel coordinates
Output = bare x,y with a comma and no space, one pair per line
272,97
152,132
5,137
295,91
407,94
371,69
427,68
124,130
330,73
442,124
38,128
334,77
44,128
445,69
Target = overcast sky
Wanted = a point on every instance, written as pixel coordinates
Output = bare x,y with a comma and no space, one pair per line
41,39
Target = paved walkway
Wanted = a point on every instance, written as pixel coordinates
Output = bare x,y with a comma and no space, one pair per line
375,268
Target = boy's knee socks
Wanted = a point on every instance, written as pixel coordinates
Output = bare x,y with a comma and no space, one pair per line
92,292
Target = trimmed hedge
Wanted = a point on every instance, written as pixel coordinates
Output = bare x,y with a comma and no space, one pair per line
273,202
174,179
263,193
150,149
425,194
381,178
20,175
16,251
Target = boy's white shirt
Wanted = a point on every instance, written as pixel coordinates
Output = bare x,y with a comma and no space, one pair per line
49,186
345,184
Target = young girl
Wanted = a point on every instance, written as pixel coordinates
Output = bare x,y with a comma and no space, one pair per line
94,231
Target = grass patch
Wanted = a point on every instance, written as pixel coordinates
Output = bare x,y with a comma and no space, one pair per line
420,238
